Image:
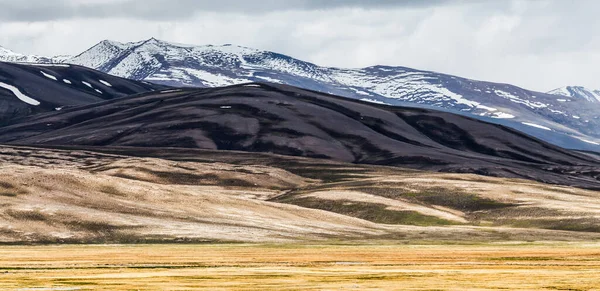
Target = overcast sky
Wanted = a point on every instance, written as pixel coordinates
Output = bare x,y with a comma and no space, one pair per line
539,45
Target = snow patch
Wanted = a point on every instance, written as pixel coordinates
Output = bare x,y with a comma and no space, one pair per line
487,108
536,125
49,65
516,99
48,76
98,91
19,94
67,81
359,92
374,101
170,91
212,79
588,141
107,84
502,115
557,112
269,79
87,84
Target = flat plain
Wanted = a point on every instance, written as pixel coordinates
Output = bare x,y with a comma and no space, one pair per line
384,266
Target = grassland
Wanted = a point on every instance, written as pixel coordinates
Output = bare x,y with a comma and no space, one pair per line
563,266
107,221
76,196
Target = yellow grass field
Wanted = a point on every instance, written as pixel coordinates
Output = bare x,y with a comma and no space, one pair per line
531,266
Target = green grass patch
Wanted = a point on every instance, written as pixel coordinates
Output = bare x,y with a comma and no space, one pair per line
112,190
370,211
451,198
93,226
34,214
573,224
9,190
8,193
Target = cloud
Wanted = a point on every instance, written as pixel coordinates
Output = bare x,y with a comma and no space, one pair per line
538,45
43,10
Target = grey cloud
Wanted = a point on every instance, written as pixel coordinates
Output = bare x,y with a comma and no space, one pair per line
43,10
540,45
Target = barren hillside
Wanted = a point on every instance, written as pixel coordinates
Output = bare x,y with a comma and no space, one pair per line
51,195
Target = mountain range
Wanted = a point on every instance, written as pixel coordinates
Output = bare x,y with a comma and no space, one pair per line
7,55
562,117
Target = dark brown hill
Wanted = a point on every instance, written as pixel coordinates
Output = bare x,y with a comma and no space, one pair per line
291,121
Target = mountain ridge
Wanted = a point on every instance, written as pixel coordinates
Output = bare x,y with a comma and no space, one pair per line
580,92
563,120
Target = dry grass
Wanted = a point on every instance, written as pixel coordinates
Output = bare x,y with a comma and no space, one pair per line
57,196
301,267
7,189
463,198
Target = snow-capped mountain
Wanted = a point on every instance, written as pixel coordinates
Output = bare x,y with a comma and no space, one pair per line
7,55
167,63
567,121
578,92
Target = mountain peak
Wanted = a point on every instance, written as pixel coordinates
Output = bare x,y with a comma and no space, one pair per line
154,40
579,92
112,44
5,51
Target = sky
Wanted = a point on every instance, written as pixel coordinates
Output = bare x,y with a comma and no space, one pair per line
536,44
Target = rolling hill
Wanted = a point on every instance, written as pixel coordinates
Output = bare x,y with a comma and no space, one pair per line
154,195
281,119
32,88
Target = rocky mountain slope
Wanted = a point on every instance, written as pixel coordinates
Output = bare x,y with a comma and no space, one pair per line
34,88
578,92
567,121
286,120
